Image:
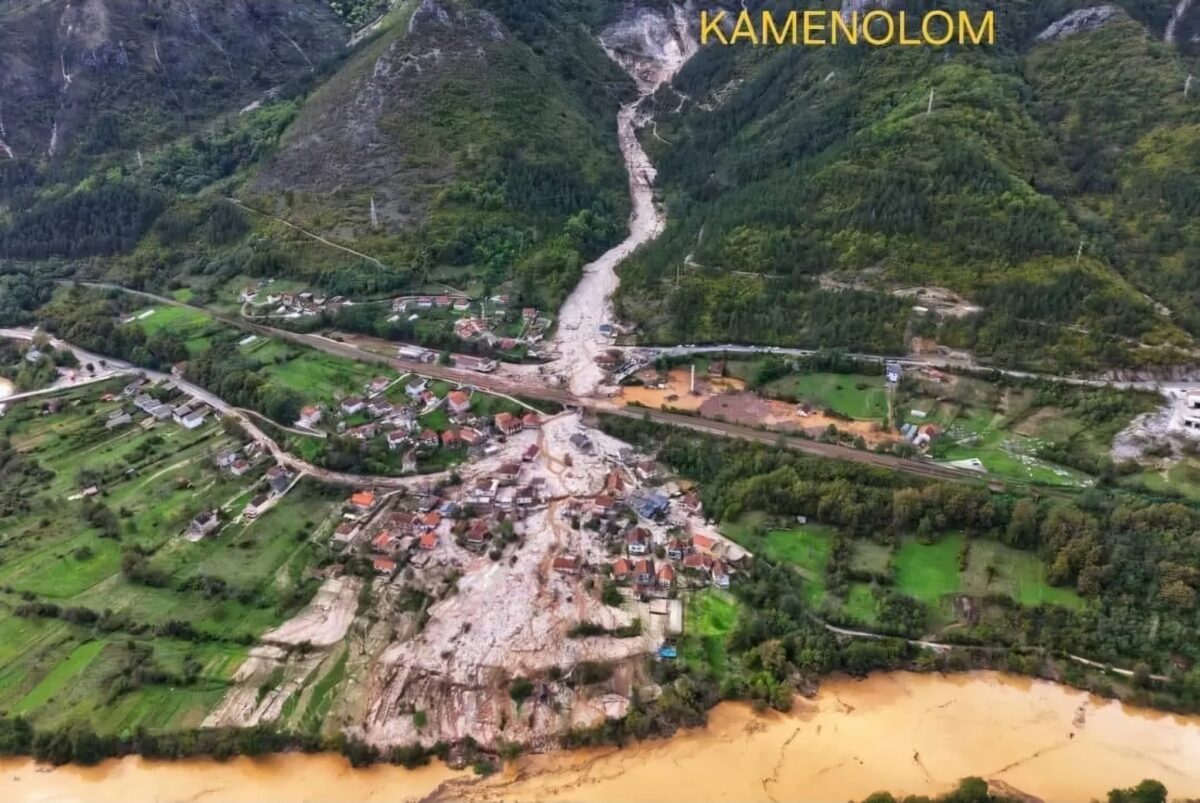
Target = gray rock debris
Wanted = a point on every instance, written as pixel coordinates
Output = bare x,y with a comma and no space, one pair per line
1079,21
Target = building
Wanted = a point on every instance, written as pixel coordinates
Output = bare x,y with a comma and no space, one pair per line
279,478
698,562
396,439
385,542
379,408
676,549
508,423
429,438
567,564
346,533
239,467
428,541
508,473
430,521
644,573
647,470
352,405
204,524
226,458
415,388
893,371
257,505
666,576
462,304
363,501
720,575
582,442
193,420
310,416
637,541
529,313
118,418
459,402
385,566
649,505
532,421
471,437
531,453
451,440
621,570
705,544
379,384
604,505
478,533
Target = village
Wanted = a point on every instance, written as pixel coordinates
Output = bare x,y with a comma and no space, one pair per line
555,547
615,514
487,323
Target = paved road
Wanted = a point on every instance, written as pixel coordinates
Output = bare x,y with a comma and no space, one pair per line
916,361
501,385
255,433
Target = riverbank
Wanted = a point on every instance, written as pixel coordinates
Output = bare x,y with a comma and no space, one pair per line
904,732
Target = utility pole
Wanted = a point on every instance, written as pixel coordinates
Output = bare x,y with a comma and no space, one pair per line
929,110
1187,84
1079,253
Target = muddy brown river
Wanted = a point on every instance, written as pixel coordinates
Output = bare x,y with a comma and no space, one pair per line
902,732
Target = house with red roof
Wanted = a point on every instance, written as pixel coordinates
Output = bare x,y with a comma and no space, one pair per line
459,402
363,501
621,570
508,423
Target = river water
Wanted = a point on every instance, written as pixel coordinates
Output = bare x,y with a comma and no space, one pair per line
903,732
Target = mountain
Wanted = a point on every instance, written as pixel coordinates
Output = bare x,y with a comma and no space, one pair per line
86,78
475,140
812,192
462,141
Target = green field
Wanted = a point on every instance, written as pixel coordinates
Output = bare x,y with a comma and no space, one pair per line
323,377
984,436
709,618
806,548
857,396
930,572
230,587
195,326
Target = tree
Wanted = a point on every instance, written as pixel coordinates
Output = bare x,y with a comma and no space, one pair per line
1147,791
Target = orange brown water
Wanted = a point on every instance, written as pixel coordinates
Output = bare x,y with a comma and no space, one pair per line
903,732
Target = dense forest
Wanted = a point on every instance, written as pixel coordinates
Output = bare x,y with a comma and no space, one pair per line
988,171
1133,561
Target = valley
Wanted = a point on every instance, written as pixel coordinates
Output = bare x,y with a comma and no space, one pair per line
371,427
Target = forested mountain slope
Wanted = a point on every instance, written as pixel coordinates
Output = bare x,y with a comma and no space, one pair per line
793,174
465,141
472,138
85,79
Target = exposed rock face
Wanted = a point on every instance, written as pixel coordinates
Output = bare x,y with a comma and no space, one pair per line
65,64
1080,21
359,139
652,44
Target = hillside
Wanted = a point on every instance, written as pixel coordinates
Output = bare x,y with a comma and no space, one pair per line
454,147
813,191
84,80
